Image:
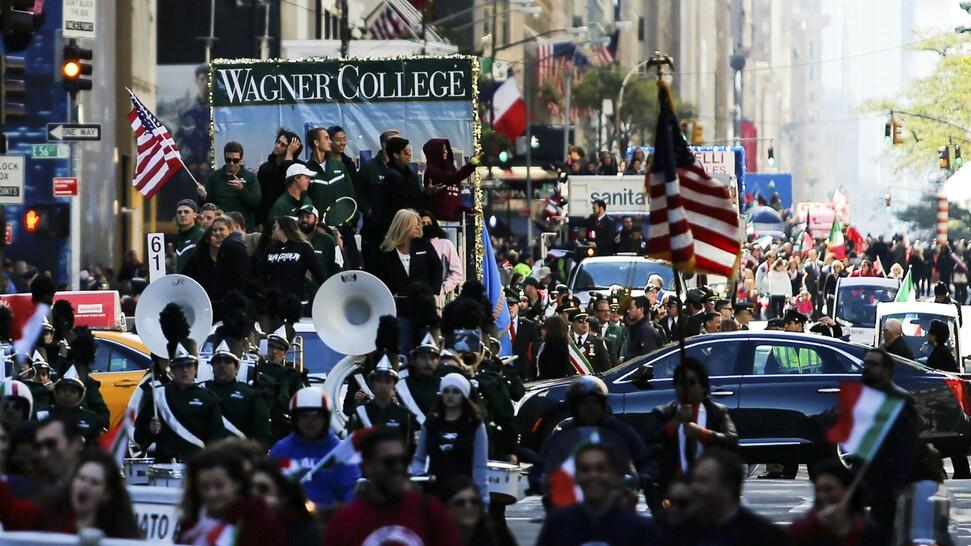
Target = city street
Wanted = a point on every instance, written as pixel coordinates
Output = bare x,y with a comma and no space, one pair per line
779,500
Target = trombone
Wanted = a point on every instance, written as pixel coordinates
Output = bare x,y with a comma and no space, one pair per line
296,350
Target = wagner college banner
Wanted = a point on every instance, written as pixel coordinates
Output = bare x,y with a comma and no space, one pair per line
422,97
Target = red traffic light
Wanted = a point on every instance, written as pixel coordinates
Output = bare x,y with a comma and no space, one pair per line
32,220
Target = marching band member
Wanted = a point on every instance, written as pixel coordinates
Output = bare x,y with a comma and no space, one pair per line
80,357
278,380
418,390
386,346
245,414
69,393
16,402
40,384
188,415
382,409
311,441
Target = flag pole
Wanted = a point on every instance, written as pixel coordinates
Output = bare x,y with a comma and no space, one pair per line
203,194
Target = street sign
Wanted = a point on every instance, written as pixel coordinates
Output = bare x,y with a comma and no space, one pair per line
65,187
78,20
73,131
50,151
156,256
11,180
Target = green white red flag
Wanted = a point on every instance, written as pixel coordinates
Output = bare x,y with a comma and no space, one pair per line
347,452
115,442
865,417
906,291
579,360
836,243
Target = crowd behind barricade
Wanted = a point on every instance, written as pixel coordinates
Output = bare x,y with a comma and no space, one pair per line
431,411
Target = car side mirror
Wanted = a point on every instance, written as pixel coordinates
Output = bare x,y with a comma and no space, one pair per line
643,376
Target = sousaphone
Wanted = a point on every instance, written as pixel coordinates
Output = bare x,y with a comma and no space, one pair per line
346,312
187,294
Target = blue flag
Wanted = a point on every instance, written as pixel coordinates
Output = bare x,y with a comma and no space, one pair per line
493,286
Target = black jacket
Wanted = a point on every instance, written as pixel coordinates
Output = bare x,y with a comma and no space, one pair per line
553,361
273,182
618,525
604,229
525,335
398,190
425,268
942,359
899,347
662,437
284,266
230,271
891,468
694,325
642,338
670,327
745,528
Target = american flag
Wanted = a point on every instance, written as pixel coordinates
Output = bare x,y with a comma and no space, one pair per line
554,60
606,53
693,223
389,24
158,156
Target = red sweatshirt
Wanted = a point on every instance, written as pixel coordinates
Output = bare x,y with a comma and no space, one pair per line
414,520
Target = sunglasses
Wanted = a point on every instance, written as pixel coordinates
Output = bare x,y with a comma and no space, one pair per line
233,159
462,502
393,461
48,444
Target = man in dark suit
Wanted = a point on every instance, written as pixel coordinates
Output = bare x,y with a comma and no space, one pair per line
593,347
893,340
642,338
695,307
602,228
671,322
522,333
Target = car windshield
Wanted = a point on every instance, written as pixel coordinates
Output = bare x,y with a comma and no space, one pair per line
603,275
915,327
318,358
858,304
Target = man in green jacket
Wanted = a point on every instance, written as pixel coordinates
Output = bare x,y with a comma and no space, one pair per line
288,204
325,245
234,187
187,220
331,181
245,413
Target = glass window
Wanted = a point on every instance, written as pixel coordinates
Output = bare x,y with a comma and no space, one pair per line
858,304
784,359
915,326
718,358
643,270
601,275
102,357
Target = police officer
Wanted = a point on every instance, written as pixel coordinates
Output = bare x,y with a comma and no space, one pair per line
68,395
695,307
382,409
277,380
188,415
612,331
40,385
245,413
743,314
418,389
592,347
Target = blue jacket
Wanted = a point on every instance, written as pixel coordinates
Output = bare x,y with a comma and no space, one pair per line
329,485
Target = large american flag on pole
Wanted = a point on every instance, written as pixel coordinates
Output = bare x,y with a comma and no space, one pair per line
554,60
693,222
158,156
389,24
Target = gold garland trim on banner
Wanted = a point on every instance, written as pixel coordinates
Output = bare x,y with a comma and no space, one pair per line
477,195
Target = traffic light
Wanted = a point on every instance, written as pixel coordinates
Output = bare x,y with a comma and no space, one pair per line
771,156
18,22
73,68
52,220
944,157
697,134
505,159
888,133
958,160
12,89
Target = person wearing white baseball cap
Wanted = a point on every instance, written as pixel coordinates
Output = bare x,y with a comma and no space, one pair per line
311,441
295,196
453,439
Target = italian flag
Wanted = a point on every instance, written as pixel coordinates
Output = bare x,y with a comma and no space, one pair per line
836,243
906,291
225,534
578,360
346,452
806,243
865,418
510,110
563,489
115,442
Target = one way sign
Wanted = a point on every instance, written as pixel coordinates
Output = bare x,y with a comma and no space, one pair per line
57,132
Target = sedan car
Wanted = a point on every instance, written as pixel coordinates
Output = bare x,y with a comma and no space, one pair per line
781,413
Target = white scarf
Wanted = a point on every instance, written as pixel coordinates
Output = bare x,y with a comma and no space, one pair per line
701,421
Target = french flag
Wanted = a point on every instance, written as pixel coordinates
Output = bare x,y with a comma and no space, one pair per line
510,110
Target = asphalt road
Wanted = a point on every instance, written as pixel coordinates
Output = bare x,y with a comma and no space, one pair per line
779,500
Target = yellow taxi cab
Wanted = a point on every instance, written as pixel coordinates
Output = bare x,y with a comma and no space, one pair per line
120,362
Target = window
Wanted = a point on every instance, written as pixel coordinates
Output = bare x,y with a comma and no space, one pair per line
786,359
113,359
102,357
718,358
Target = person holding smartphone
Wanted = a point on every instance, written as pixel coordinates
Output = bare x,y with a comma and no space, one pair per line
234,187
